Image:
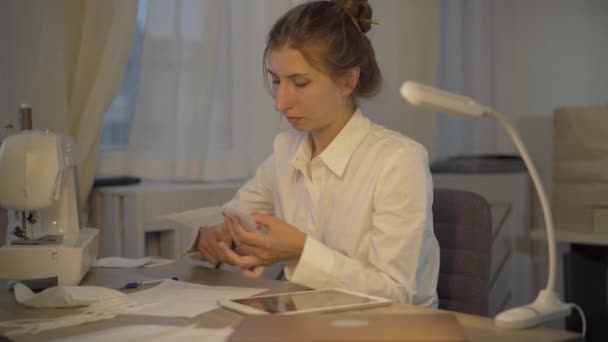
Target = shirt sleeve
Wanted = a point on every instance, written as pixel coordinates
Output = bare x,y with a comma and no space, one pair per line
403,258
254,196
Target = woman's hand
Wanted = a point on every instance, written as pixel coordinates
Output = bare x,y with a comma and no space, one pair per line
281,242
209,240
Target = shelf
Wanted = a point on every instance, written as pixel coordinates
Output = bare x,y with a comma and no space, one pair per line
587,238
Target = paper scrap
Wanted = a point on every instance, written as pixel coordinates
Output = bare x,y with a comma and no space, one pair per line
191,218
180,299
120,262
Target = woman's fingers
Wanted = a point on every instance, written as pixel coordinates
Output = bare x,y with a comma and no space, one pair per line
245,249
208,256
209,240
230,224
263,219
253,273
243,236
239,260
207,250
212,240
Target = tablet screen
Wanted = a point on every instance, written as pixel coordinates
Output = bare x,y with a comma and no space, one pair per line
299,301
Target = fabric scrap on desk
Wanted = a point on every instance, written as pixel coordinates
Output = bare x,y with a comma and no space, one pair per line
64,296
180,299
153,333
98,311
120,262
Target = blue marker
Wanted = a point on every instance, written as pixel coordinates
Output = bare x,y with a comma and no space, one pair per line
137,284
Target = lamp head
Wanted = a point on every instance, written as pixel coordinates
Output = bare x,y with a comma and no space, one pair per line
434,99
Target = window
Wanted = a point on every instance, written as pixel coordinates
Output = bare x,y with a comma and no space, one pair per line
117,120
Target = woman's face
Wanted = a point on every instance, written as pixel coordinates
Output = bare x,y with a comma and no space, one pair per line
309,99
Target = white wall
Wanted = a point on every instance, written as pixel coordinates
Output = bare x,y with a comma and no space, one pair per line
550,54
524,58
407,48
27,64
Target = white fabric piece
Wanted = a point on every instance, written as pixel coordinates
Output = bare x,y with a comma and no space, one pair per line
365,205
98,311
65,296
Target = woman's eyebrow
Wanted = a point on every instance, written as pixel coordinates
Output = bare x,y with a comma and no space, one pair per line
288,76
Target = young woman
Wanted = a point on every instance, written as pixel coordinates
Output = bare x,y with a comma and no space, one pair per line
345,202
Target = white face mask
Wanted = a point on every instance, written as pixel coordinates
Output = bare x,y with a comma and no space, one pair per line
99,304
65,296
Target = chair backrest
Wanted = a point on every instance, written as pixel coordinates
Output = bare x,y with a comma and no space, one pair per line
463,226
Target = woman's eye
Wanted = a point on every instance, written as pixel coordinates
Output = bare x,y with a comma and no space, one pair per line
275,81
301,84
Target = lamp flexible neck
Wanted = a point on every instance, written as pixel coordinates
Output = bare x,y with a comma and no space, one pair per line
540,190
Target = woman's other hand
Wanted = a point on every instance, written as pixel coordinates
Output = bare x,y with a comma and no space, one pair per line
209,240
282,242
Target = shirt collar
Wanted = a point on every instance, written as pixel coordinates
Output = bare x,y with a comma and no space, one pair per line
302,156
338,153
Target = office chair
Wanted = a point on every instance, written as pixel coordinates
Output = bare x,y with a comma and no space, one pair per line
463,227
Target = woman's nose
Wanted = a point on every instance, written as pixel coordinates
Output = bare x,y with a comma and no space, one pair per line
282,98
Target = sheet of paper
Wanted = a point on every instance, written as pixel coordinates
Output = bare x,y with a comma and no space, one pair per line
152,333
180,299
192,218
120,262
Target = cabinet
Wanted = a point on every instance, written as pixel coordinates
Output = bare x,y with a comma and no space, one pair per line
124,215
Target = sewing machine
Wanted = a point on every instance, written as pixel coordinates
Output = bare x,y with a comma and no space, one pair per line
39,186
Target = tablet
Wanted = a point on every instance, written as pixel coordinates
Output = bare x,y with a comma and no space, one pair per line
304,302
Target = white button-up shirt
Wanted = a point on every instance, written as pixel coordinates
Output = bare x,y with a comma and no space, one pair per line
365,206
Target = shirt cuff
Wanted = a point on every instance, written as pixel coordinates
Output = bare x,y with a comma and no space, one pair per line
315,266
193,240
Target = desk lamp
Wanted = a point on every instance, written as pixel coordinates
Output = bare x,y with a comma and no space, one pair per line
547,306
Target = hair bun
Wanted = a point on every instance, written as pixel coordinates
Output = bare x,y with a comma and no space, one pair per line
360,10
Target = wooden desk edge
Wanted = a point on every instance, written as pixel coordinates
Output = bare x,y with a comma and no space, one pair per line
477,328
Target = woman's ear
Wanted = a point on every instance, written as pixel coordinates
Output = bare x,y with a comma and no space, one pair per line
350,81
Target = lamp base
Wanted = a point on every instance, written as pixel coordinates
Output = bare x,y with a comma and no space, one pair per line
545,308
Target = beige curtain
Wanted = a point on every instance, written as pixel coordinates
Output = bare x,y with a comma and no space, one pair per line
65,58
202,112
99,36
